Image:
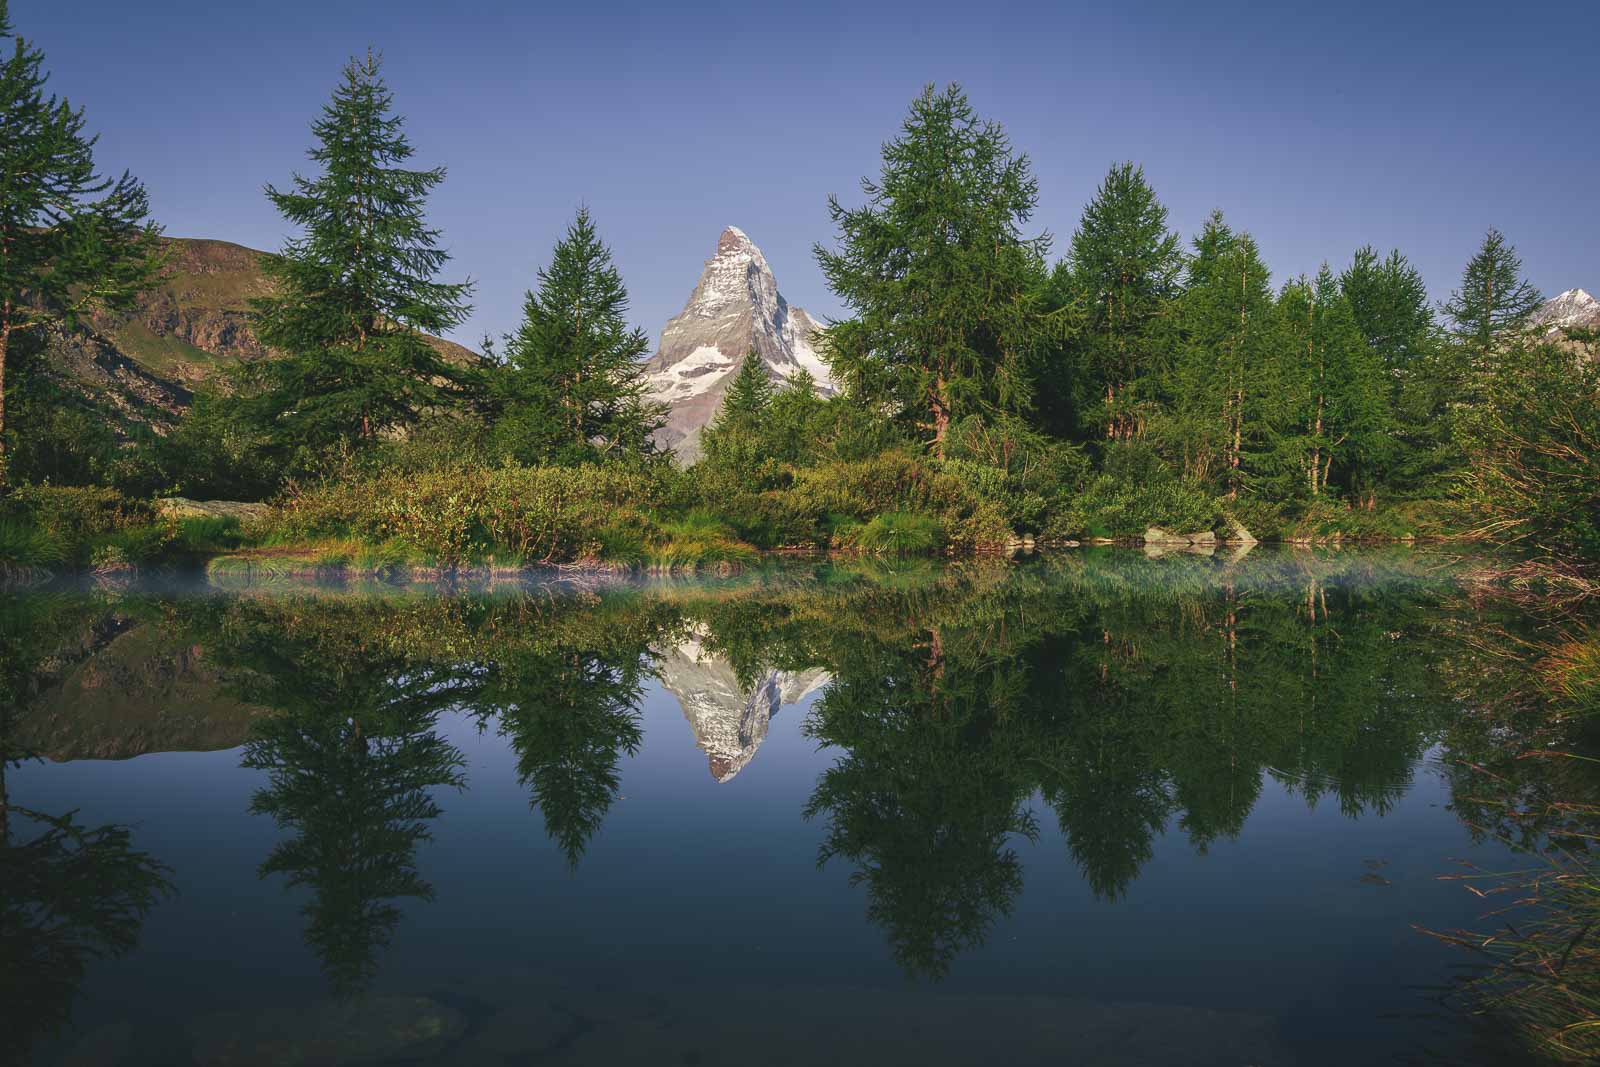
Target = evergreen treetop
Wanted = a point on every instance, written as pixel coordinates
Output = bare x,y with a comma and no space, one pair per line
573,386
749,393
945,289
1494,298
1125,264
357,290
70,237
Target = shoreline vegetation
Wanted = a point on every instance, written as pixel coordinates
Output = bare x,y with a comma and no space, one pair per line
983,398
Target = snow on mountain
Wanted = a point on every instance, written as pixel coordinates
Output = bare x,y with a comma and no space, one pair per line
729,720
735,309
1572,308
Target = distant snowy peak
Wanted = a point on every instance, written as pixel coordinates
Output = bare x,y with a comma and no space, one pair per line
735,309
1573,308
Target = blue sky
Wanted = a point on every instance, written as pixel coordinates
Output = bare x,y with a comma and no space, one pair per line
1318,130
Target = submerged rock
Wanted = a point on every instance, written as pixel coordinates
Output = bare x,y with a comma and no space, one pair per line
370,1030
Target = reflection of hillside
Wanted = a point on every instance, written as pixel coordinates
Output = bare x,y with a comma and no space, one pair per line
729,719
128,689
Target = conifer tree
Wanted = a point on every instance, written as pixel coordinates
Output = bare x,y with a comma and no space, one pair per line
573,388
1390,303
358,290
749,394
1329,386
947,293
69,236
1125,265
1226,325
1494,298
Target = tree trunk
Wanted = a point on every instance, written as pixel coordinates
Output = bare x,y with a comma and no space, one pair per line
5,341
941,416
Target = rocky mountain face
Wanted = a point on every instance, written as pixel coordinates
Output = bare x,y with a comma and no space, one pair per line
729,720
735,309
1573,308
143,364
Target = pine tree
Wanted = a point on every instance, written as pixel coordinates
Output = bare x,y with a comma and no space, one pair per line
1494,298
749,394
1390,303
573,388
1329,386
1226,325
947,294
70,238
1125,265
357,291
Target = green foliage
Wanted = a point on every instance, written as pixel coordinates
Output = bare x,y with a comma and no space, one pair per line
892,482
1225,325
357,291
72,238
900,533
1124,267
748,396
572,387
1494,299
1112,508
946,293
456,517
1329,399
1533,450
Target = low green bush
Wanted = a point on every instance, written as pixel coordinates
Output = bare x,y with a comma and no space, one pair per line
900,533
1111,508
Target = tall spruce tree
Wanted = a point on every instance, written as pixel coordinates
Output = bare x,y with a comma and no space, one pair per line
1494,298
573,388
947,293
1226,326
1329,388
357,291
70,237
1125,265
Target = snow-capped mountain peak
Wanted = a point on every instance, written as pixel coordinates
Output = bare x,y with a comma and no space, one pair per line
735,309
1575,307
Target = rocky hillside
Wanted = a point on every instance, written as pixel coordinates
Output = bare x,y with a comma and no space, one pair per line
735,309
145,363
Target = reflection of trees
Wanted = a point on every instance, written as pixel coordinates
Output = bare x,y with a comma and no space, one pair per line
1129,706
925,797
69,893
351,756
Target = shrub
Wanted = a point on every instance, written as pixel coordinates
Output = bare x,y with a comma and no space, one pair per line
820,497
77,520
900,533
25,547
1114,509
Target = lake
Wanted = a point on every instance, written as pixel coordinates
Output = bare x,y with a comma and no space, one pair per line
1095,807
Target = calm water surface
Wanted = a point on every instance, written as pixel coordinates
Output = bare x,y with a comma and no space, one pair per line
1095,808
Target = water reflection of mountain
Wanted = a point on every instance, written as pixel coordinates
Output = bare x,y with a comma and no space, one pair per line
728,715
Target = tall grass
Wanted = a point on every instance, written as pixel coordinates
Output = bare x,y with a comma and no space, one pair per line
900,533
